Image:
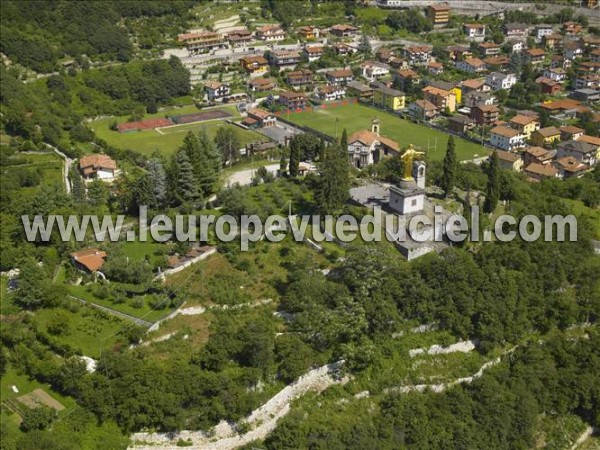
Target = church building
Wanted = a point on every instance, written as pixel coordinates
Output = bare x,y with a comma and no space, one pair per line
367,147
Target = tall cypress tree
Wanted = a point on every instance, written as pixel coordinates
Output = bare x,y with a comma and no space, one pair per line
77,185
449,169
344,140
334,180
210,163
282,164
294,157
492,191
158,181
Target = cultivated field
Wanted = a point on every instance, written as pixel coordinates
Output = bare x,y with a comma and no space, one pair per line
358,117
166,140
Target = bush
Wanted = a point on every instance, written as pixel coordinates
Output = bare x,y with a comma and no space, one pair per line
38,418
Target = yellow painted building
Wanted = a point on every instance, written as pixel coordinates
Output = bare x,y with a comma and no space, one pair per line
545,136
457,91
525,124
388,98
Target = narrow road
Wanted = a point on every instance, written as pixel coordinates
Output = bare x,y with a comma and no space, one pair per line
67,166
114,312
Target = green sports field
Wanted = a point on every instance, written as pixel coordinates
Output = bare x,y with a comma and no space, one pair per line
358,117
166,140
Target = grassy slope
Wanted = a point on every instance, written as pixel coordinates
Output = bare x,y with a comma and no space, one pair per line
358,117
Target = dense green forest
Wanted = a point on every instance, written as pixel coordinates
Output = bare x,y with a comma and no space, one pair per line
39,34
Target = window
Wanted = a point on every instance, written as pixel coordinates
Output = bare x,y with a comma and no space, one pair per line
414,202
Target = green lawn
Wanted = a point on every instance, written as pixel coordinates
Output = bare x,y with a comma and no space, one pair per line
357,117
145,312
167,140
88,329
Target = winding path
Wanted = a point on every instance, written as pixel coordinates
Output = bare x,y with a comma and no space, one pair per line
67,166
262,421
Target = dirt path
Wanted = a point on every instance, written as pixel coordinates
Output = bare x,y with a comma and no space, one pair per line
261,422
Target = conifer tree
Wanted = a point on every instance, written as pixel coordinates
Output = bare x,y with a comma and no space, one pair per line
294,163
158,180
210,163
492,192
448,179
187,186
334,180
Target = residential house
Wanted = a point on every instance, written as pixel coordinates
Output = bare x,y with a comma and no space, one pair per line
584,152
255,65
506,138
474,85
343,30
515,30
262,117
439,14
344,49
331,92
525,125
458,52
538,155
537,172
590,42
384,54
588,67
418,55
284,58
460,123
472,65
474,31
201,41
571,27
387,98
405,78
572,50
442,99
239,38
398,63
571,133
516,45
588,81
560,61
308,32
571,167
591,139
534,56
595,55
314,52
473,99
261,84
510,160
485,114
586,95
564,107
448,86
372,70
544,137
498,80
293,100
339,76
558,74
435,68
215,90
360,90
489,49
270,33
542,30
367,147
97,166
549,86
496,63
552,41
423,110
301,77
89,260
